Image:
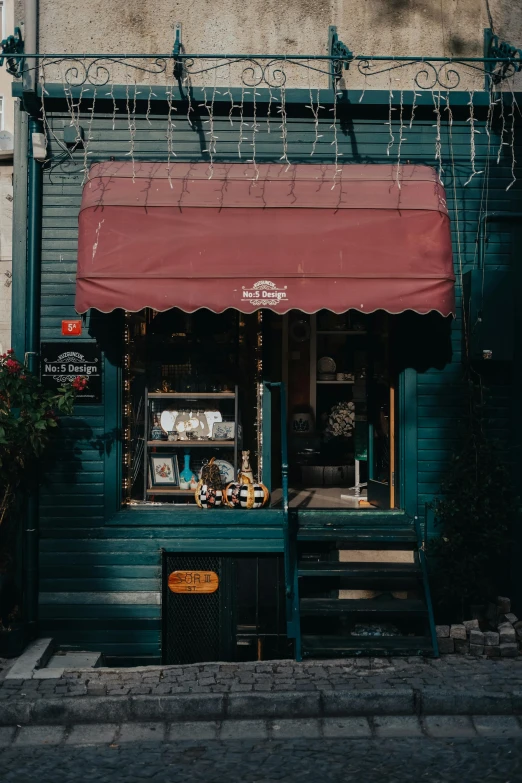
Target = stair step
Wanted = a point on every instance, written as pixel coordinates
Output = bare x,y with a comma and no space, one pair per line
354,571
365,606
346,537
378,646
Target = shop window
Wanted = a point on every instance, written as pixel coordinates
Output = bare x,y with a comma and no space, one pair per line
191,394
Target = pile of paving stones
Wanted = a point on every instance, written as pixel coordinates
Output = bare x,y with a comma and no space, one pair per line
496,632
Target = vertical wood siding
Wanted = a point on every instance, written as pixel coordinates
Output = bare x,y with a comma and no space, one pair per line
99,583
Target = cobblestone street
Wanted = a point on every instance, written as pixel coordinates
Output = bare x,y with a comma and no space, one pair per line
452,671
450,760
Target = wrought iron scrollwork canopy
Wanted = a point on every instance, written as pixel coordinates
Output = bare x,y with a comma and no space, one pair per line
501,60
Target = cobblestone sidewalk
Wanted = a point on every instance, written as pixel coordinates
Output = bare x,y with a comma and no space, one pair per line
457,673
380,758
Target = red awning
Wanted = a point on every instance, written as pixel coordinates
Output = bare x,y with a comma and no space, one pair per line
295,237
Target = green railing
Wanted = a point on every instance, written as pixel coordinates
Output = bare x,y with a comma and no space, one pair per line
289,524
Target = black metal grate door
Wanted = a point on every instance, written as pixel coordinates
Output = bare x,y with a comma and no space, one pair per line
192,622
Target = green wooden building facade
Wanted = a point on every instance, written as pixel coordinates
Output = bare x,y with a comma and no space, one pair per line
100,561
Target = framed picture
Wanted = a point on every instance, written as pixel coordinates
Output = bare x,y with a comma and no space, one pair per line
164,470
223,430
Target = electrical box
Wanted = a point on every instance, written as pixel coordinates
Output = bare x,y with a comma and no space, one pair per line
488,313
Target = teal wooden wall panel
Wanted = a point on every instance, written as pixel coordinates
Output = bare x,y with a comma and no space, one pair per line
101,582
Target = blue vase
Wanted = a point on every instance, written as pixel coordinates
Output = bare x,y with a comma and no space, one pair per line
186,474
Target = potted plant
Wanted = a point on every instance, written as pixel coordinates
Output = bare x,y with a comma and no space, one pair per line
29,416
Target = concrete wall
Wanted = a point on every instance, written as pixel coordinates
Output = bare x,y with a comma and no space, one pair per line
437,27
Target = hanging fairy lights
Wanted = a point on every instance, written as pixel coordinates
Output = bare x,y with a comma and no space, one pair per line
473,131
284,127
245,118
514,105
401,138
335,142
391,142
438,138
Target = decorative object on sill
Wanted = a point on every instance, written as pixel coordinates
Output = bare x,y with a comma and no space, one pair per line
223,430
209,491
302,422
232,494
299,331
207,496
186,474
164,470
165,387
341,420
172,435
326,365
193,483
211,474
157,432
212,417
226,470
253,495
345,376
198,425
246,473
168,420
326,376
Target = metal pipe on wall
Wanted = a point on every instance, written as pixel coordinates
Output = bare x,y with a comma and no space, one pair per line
33,275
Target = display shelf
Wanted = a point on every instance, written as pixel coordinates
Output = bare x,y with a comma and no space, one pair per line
191,396
152,401
188,444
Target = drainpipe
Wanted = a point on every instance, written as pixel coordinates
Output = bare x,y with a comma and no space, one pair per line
33,271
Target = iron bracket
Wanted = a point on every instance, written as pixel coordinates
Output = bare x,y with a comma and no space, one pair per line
13,45
176,52
342,54
510,55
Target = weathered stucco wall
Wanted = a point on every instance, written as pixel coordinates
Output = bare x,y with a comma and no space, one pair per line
400,27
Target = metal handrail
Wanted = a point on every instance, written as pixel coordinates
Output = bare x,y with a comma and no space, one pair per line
284,486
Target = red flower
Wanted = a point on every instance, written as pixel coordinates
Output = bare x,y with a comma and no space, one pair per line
10,350
12,366
79,383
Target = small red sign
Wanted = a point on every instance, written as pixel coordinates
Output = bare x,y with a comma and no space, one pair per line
72,328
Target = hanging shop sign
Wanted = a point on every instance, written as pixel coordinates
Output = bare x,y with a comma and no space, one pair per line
63,362
193,582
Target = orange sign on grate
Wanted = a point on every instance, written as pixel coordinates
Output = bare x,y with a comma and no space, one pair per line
193,582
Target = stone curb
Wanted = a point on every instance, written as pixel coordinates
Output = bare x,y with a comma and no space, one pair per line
67,710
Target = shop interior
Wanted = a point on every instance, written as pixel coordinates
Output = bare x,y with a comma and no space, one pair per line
194,391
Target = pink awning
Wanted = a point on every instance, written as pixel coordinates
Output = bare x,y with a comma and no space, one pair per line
303,237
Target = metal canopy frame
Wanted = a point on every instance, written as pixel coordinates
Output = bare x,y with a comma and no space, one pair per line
500,61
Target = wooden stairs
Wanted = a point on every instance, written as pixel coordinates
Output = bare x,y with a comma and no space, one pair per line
325,602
